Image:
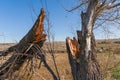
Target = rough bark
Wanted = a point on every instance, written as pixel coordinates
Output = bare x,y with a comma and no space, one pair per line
73,59
87,68
22,50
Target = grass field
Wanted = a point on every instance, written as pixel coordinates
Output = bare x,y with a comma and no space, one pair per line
109,60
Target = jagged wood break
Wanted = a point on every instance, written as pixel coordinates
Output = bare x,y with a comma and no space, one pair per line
73,50
74,47
22,50
88,67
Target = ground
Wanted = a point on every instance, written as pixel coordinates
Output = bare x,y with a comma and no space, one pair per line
108,55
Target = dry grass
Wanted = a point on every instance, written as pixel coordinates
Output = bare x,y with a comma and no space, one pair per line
43,74
107,61
63,67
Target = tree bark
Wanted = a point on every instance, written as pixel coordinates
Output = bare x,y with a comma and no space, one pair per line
87,68
73,59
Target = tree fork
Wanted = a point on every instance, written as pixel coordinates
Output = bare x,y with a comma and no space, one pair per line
87,68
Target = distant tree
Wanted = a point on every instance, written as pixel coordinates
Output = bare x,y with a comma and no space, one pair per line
95,13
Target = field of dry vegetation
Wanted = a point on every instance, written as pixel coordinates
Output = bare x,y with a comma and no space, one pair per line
108,55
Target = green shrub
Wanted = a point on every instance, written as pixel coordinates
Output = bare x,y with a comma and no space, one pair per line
116,73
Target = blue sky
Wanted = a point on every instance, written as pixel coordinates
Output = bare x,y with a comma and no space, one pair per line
18,16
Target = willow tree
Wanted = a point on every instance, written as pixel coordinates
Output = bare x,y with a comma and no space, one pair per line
97,12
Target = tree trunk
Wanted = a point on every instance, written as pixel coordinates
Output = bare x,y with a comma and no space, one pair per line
87,68
73,59
22,50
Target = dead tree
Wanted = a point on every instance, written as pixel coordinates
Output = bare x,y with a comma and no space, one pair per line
28,47
88,68
73,55
22,49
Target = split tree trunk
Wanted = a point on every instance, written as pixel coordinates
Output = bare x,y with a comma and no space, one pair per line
87,68
73,56
22,50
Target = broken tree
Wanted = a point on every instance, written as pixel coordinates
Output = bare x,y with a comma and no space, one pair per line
87,68
95,15
28,47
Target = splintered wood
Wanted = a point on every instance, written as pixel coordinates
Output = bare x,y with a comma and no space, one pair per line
39,30
74,47
25,49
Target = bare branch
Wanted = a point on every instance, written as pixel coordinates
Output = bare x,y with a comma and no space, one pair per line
74,8
104,1
109,7
113,1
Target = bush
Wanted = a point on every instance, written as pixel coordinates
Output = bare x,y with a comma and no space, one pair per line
117,42
116,73
104,42
116,51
